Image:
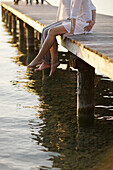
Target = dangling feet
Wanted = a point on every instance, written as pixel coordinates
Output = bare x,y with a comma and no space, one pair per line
53,68
35,62
43,66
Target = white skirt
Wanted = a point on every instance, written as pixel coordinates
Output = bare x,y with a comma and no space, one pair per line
79,28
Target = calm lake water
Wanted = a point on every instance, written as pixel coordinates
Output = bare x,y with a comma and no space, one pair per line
38,127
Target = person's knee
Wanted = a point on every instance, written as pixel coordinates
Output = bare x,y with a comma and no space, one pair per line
45,31
52,32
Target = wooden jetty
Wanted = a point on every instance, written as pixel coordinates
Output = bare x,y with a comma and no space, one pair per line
88,52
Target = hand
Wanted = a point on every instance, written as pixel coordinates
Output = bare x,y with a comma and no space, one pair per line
89,27
66,35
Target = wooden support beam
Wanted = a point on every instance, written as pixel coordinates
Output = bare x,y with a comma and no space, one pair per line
10,21
22,39
37,41
6,18
85,90
30,43
14,26
3,14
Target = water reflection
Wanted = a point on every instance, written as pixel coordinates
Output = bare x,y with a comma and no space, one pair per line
78,147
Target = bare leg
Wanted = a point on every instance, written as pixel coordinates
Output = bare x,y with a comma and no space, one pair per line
54,54
54,58
48,44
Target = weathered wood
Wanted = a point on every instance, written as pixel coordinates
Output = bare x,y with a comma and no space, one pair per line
22,42
37,41
6,18
3,14
97,60
14,24
30,43
10,21
85,89
85,94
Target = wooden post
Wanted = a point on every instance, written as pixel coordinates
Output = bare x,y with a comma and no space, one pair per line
85,90
6,16
30,43
10,22
14,23
3,14
22,44
36,42
85,94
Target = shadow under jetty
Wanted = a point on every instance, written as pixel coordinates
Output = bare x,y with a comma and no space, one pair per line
79,146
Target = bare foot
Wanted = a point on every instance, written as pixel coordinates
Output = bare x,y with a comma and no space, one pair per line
53,68
43,66
35,62
37,66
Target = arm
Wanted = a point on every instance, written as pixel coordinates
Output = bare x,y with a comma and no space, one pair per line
73,23
75,7
91,22
74,12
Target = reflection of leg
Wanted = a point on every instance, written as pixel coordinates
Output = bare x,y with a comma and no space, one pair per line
50,40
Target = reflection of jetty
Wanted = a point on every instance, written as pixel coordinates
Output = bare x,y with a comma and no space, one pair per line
88,51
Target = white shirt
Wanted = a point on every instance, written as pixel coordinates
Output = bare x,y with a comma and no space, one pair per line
79,9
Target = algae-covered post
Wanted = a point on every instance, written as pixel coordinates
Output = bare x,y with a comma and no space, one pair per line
10,21
85,93
30,42
14,25
22,45
3,14
6,16
85,89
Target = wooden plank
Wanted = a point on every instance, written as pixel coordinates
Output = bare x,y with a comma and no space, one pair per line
35,24
100,62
